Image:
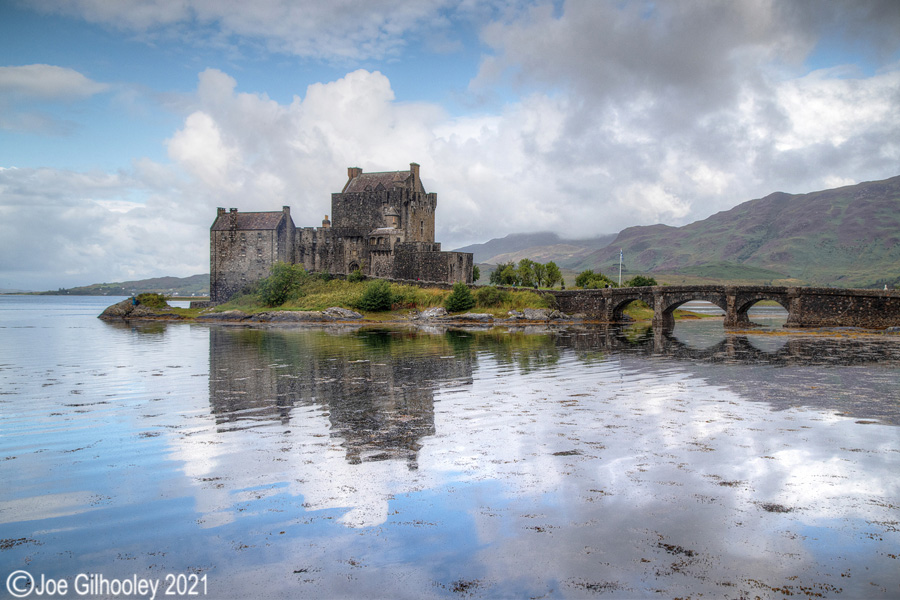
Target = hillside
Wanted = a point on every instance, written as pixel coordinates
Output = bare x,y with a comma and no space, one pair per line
549,246
195,285
848,237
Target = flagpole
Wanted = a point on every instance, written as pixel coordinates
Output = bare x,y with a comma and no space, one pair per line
620,267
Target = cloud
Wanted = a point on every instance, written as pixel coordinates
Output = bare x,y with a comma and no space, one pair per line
335,30
23,86
47,82
544,162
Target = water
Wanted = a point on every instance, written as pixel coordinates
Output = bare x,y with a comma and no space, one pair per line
323,462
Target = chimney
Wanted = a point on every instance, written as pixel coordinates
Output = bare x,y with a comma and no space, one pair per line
353,172
287,211
326,223
414,167
219,212
233,214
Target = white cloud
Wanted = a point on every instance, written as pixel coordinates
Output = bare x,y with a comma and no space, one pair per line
542,163
47,82
339,29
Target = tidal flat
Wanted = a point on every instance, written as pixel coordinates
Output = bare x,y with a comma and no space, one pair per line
519,462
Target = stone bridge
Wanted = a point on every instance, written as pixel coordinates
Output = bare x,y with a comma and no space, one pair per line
806,307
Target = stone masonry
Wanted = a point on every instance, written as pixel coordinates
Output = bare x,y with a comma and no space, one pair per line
382,224
807,307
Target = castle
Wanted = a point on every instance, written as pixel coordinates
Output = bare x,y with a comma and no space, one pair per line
382,225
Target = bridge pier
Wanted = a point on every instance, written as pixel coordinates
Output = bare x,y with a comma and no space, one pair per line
735,318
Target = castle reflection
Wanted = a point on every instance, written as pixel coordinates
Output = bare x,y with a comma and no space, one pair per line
377,386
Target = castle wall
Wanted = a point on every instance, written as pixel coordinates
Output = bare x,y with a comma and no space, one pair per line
240,257
426,262
417,217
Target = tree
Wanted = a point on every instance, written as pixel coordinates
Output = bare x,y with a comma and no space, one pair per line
476,273
283,284
459,299
525,271
640,281
504,274
540,273
553,275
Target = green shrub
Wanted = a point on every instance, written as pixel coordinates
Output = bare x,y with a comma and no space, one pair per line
285,283
356,276
459,299
488,297
152,300
590,280
640,281
377,297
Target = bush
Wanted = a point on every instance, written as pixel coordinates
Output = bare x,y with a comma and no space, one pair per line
377,297
640,281
460,298
487,297
152,300
282,285
590,280
355,276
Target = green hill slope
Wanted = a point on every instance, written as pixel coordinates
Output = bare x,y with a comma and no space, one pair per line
848,237
195,285
549,245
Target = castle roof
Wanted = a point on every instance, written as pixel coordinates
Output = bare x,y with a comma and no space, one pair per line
387,180
248,221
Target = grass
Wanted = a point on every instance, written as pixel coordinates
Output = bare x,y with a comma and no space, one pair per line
317,294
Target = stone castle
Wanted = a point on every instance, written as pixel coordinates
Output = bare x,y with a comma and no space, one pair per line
382,225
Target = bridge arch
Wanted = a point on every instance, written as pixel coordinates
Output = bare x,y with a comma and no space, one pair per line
668,303
744,303
619,301
741,300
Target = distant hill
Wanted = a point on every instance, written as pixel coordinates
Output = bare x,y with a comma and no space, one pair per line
195,285
547,245
847,237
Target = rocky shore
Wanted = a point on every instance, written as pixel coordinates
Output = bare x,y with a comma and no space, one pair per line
127,310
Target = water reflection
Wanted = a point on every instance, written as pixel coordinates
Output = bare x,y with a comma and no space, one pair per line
456,463
377,386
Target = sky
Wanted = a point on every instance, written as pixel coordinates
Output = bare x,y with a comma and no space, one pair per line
124,124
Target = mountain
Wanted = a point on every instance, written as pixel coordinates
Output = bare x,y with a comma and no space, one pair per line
195,285
546,245
847,237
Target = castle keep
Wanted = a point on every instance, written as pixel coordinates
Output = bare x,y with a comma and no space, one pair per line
382,224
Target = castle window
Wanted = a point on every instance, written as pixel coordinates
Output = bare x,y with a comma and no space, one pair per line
422,227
